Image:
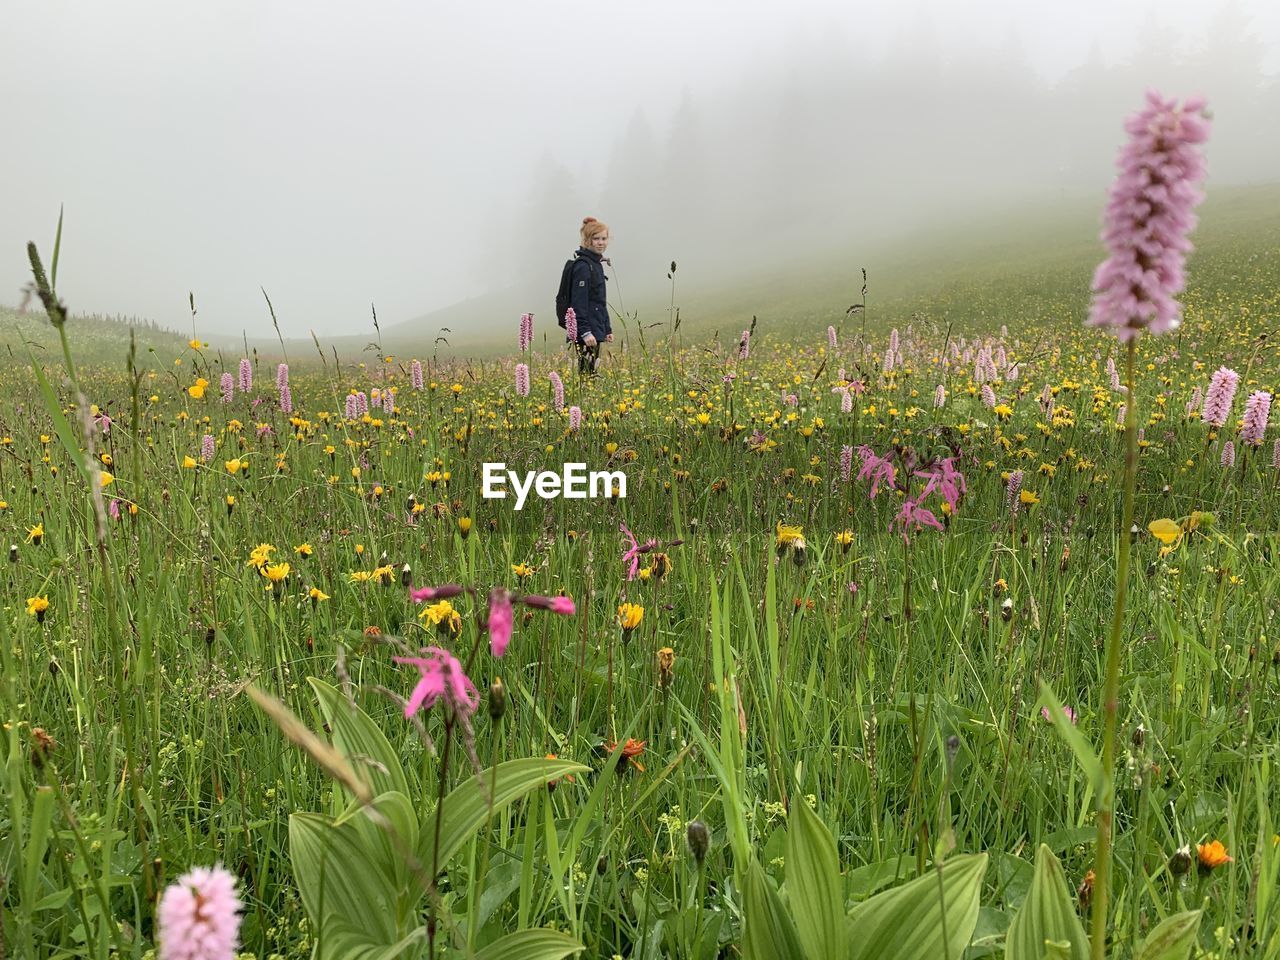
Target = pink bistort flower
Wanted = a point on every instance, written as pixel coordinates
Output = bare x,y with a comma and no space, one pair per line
526,331
1148,217
1257,410
198,916
557,391
1219,398
1228,454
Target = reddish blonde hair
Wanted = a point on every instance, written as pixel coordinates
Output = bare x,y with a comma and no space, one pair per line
591,228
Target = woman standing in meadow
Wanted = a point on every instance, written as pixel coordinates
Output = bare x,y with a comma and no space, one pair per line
587,294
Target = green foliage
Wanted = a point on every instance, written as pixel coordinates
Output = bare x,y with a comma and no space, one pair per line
814,884
1172,939
362,875
933,916
835,725
1048,916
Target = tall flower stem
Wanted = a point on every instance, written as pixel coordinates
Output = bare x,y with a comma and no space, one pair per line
435,847
1111,688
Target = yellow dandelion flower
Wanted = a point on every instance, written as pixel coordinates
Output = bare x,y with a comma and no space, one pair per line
630,615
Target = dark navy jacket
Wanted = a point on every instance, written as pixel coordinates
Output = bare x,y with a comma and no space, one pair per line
587,295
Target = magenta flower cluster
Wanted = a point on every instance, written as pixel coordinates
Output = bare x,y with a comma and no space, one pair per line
1148,217
441,676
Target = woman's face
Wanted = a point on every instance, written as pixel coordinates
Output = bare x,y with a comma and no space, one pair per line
600,242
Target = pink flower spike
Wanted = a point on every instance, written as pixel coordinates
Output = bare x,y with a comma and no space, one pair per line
198,916
501,621
1148,217
423,594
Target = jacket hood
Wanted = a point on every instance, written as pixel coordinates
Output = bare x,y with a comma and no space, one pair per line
583,251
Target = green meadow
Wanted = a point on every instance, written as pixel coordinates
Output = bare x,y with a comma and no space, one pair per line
790,715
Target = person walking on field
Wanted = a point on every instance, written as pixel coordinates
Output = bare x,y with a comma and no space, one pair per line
587,294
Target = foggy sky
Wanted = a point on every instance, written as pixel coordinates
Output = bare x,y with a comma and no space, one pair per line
400,153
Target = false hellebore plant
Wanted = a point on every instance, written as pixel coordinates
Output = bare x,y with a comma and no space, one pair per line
364,869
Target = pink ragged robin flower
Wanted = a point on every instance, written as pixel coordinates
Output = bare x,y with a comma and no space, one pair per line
501,621
442,678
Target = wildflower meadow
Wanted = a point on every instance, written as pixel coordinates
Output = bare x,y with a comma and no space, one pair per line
907,638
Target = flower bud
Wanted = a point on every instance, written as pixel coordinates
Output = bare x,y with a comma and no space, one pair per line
1180,862
41,746
497,700
699,840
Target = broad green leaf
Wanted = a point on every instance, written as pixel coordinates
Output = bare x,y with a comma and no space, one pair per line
768,933
389,847
467,808
346,944
1172,939
531,945
1088,760
906,923
342,890
1048,915
814,884
863,881
357,736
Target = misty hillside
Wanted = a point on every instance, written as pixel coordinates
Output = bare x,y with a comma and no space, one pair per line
1020,261
951,274
92,337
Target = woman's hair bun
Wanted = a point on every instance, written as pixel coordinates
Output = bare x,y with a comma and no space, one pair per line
589,220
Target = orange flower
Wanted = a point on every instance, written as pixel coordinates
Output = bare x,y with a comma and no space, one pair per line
1212,855
630,750
551,784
